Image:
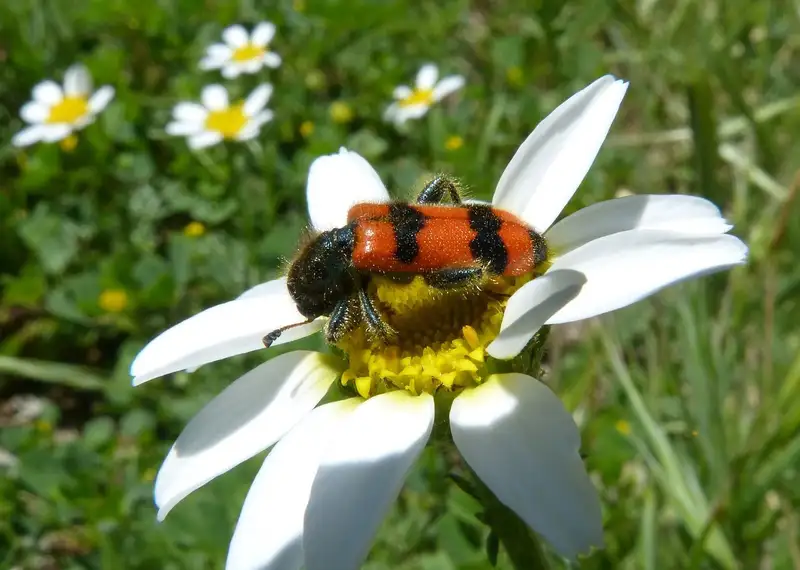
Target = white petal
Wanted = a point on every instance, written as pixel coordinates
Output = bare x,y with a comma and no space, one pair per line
518,438
530,307
235,36
551,163
390,114
214,97
208,63
273,287
34,112
360,476
231,70
222,331
626,267
263,34
684,214
446,86
190,113
272,59
427,76
77,81
335,183
257,99
183,129
248,132
55,132
29,136
219,52
101,99
269,532
401,92
250,415
204,140
411,112
261,118
48,92
252,65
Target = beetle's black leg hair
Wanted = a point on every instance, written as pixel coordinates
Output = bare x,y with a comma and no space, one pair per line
454,278
372,317
434,192
343,319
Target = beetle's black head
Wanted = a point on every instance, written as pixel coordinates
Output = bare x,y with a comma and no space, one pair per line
322,274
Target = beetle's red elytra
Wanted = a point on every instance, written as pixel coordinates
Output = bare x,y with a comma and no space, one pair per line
450,246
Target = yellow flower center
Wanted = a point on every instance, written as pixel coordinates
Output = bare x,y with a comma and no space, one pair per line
113,300
341,112
194,229
248,52
227,122
454,142
68,110
441,342
68,144
418,97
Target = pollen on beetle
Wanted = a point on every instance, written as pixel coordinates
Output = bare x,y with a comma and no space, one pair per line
441,342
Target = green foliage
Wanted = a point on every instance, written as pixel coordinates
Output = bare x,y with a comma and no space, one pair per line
689,403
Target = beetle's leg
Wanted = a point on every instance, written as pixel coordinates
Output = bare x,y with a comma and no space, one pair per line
455,278
271,337
375,323
343,319
434,192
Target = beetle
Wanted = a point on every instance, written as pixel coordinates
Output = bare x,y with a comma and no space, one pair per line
451,245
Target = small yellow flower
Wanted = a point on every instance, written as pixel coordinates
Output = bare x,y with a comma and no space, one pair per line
194,229
341,112
623,427
454,142
113,300
514,76
43,426
68,144
306,129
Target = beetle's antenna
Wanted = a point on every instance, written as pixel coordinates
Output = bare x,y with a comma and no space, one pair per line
273,336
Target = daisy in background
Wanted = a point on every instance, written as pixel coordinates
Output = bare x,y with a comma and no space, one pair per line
216,119
56,112
336,469
413,103
242,52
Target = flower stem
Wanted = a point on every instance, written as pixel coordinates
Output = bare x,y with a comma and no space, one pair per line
522,546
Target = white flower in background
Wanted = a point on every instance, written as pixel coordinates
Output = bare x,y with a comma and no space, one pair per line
413,103
217,119
242,52
56,112
336,469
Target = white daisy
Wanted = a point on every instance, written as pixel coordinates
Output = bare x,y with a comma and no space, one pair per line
336,469
242,52
413,103
54,113
217,119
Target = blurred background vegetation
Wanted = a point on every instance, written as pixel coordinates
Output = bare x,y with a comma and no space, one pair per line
689,403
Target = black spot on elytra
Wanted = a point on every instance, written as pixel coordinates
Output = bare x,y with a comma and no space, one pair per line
407,222
487,246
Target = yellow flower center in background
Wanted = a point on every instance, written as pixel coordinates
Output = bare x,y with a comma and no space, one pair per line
113,300
418,97
68,144
454,142
341,112
306,129
248,52
227,122
194,229
441,342
68,110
